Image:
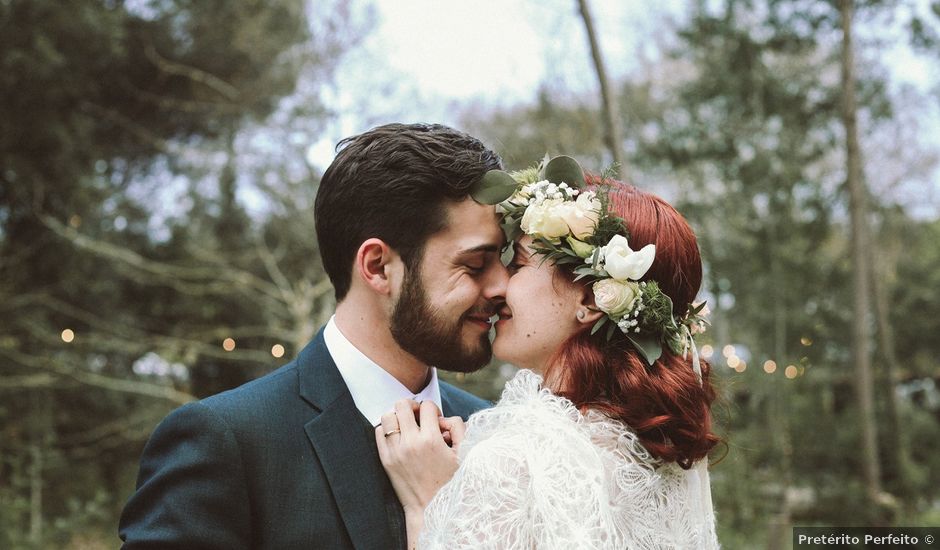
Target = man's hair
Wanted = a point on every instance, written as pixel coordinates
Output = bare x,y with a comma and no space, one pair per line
392,183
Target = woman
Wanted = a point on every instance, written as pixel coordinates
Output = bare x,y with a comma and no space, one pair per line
600,441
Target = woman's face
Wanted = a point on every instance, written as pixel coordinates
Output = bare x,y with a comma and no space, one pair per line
540,311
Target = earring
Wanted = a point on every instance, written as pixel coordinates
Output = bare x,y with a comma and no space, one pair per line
580,314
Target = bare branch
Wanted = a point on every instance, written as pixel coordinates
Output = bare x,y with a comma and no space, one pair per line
27,381
178,276
274,271
139,131
197,75
608,101
98,380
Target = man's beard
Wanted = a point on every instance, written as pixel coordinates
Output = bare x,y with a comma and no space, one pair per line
436,341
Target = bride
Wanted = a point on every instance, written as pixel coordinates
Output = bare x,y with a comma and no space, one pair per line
600,441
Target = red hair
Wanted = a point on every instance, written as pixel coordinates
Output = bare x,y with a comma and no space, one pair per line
664,403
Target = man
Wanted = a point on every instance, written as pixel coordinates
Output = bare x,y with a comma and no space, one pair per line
289,460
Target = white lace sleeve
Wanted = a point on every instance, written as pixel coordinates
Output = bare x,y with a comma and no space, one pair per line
529,478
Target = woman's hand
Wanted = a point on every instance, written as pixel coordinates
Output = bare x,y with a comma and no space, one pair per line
419,458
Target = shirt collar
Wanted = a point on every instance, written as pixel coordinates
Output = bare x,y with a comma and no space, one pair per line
373,389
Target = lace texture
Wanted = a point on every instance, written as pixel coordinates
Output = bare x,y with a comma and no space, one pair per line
536,473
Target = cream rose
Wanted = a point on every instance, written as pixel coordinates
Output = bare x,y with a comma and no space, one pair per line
623,263
581,215
614,297
545,219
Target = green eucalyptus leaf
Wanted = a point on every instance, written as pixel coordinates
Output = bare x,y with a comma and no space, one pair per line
512,229
506,256
564,169
494,187
648,346
595,258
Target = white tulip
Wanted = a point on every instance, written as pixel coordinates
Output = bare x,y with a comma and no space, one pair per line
623,263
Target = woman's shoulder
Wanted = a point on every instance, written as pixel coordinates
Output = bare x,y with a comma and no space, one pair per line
524,405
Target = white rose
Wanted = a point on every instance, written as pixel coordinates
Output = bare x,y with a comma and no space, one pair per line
615,297
623,263
545,219
581,215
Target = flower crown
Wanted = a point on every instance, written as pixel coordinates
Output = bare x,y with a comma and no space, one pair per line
571,224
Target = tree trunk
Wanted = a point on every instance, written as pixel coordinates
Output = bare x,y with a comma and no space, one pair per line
778,417
861,330
897,458
613,135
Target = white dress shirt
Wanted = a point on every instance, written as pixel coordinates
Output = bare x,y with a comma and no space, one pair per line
373,389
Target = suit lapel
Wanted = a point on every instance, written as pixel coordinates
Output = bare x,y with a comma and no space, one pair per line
345,445
447,405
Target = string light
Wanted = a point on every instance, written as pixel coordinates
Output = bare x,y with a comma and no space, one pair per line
277,350
228,344
791,372
806,341
68,335
742,366
728,350
734,361
770,366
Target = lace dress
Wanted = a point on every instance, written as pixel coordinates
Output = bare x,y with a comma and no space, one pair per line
536,473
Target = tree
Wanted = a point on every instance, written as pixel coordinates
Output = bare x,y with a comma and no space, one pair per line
113,299
611,116
861,267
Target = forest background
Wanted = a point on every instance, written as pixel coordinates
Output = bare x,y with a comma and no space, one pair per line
159,160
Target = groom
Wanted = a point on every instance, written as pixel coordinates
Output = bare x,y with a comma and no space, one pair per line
289,460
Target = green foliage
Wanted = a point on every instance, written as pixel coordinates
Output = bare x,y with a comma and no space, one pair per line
128,136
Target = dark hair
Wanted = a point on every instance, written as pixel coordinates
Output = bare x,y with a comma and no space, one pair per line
391,183
664,403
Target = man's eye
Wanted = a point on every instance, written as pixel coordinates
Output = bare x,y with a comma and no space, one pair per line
474,269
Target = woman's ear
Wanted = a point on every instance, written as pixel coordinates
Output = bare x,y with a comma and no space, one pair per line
376,265
587,310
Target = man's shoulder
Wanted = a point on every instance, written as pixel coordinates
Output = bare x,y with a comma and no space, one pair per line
281,382
461,401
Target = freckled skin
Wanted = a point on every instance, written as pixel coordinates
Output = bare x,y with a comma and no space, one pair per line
543,309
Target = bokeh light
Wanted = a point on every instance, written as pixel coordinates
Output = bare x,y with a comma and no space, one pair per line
707,351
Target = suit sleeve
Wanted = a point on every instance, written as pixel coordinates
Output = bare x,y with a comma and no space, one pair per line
191,489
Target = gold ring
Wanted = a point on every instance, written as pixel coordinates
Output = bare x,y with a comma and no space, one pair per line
393,432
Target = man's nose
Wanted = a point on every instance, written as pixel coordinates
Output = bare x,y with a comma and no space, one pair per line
496,282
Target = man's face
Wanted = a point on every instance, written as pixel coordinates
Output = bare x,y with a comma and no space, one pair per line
443,311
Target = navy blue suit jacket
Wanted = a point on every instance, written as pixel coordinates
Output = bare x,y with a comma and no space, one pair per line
286,461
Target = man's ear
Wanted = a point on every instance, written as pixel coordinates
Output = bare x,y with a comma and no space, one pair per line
588,313
376,265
